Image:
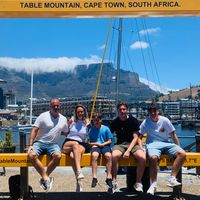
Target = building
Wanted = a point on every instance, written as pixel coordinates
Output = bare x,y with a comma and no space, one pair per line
105,106
171,109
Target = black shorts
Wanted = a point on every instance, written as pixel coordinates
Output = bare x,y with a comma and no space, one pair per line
102,150
81,143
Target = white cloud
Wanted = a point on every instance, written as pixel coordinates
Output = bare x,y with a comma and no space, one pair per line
139,45
46,64
156,87
149,31
101,47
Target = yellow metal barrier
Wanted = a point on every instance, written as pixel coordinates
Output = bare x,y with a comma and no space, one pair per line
95,8
21,160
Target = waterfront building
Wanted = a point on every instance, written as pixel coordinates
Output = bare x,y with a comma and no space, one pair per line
190,109
103,105
182,109
171,109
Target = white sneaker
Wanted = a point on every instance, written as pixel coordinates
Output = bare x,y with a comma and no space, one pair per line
49,183
152,189
79,186
79,175
172,182
43,184
138,187
115,186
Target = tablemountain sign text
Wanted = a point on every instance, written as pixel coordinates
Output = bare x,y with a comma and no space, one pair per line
110,4
103,8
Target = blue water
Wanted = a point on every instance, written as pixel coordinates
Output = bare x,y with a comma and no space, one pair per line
186,136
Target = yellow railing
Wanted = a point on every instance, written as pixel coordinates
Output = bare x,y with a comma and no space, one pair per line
21,160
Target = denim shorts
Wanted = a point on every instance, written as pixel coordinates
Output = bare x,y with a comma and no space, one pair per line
158,148
103,150
41,148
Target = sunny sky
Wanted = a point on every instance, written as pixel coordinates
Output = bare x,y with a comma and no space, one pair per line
165,51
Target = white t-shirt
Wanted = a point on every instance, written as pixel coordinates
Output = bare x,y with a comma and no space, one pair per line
50,128
78,131
157,131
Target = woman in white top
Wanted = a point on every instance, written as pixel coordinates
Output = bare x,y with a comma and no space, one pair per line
74,144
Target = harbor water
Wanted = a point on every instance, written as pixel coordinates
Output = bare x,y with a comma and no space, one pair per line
186,136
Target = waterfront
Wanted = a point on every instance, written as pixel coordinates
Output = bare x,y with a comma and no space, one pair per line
186,136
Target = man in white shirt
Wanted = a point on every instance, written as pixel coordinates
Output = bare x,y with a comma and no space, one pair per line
44,139
159,132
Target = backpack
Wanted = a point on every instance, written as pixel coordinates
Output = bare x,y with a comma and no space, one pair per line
14,188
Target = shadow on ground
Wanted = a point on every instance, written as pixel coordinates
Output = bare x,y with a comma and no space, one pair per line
122,195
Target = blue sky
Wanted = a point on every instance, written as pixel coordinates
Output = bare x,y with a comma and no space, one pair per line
165,51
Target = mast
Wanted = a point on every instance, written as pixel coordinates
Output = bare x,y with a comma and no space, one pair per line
31,99
118,59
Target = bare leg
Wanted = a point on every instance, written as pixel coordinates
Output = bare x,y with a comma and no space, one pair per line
38,165
140,156
180,157
95,156
108,164
75,150
153,165
54,162
78,150
116,154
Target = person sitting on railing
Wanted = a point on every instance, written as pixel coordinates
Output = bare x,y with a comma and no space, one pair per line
100,138
159,129
44,139
126,128
75,142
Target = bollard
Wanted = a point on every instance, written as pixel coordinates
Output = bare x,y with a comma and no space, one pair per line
197,137
23,170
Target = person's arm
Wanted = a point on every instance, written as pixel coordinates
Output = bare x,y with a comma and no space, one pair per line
65,130
132,144
109,141
93,144
140,143
33,134
175,138
65,133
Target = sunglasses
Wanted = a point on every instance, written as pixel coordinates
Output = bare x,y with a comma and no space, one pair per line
55,106
80,112
96,120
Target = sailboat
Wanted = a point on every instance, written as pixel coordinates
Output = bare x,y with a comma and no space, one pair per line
117,78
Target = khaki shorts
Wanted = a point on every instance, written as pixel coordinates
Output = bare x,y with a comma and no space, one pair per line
124,146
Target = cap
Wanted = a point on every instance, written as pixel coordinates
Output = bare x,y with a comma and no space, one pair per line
153,106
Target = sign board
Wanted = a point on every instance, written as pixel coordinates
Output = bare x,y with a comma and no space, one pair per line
21,160
97,8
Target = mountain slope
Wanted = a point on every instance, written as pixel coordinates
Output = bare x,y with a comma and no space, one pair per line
182,94
80,82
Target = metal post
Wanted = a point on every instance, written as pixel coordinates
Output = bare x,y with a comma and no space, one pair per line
177,191
197,136
118,60
131,179
23,170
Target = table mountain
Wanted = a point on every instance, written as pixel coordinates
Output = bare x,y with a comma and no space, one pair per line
80,82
